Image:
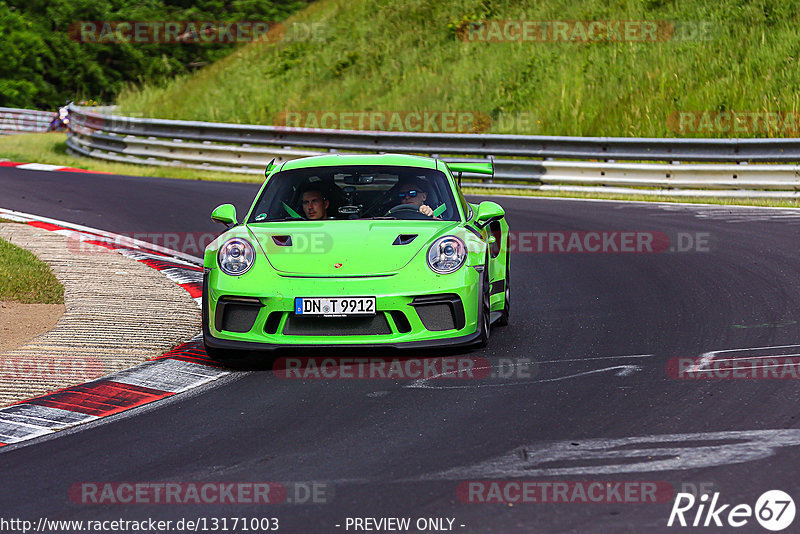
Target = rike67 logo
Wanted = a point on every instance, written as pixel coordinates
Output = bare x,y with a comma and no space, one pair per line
774,510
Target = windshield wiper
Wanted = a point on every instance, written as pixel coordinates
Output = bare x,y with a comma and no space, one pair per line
383,218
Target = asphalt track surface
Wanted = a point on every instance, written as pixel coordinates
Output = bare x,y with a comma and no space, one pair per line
601,327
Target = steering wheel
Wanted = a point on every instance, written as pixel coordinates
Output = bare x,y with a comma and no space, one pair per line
407,211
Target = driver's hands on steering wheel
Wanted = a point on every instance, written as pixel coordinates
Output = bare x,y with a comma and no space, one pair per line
411,209
426,210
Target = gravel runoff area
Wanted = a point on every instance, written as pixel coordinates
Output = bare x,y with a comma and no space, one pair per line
118,312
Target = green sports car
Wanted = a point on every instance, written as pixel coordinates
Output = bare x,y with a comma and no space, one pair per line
357,250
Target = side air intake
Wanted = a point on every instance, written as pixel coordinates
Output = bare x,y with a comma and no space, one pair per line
404,239
282,240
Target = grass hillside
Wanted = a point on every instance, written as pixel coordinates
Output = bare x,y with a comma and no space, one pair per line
405,55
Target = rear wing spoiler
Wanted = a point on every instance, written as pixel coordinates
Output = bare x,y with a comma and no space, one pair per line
475,168
471,167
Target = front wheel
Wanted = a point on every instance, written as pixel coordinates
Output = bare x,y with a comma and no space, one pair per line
486,309
503,319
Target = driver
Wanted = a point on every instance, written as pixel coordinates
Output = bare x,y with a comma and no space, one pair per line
412,192
315,204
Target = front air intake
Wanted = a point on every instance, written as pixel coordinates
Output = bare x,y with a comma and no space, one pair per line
237,314
440,312
336,326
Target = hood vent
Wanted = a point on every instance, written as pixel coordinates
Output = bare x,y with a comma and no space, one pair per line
405,239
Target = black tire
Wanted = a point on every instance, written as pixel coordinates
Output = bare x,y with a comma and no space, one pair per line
486,309
503,320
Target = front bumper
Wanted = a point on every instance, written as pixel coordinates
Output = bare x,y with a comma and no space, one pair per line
436,311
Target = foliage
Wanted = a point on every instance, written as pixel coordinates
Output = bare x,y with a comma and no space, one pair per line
42,66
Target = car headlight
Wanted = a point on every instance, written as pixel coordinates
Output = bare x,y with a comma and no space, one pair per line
447,254
236,256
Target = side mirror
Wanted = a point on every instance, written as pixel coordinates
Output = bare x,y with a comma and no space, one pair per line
225,214
487,213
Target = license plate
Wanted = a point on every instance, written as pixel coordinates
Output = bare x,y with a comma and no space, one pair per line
334,306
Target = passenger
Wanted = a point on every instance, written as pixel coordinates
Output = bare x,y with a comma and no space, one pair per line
315,205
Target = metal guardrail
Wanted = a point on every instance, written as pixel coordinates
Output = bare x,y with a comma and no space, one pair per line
15,121
524,161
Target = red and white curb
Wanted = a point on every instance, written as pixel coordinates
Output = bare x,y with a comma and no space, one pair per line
181,369
45,167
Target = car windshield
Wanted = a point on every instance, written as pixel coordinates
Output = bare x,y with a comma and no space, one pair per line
356,192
